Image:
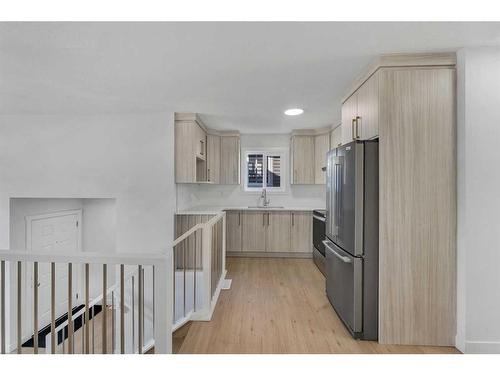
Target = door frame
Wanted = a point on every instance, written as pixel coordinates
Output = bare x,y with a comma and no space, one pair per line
28,272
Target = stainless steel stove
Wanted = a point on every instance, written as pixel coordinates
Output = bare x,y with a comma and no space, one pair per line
319,228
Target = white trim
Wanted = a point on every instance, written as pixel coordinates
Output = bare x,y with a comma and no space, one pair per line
206,315
282,152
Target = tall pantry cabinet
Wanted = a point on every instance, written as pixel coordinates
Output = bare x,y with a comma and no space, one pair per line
409,102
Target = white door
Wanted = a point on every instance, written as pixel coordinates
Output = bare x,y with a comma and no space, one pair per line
56,232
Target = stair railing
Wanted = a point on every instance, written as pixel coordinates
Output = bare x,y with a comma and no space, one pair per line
198,270
16,265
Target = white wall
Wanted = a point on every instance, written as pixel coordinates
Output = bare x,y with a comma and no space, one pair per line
22,207
194,195
99,225
478,288
127,157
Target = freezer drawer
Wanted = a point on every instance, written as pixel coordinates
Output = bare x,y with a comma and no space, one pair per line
344,283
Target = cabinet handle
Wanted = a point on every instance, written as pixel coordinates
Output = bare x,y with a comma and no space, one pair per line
208,170
293,219
263,219
239,218
268,219
352,128
202,147
357,118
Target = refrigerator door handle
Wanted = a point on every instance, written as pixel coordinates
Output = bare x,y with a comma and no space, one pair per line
342,258
314,216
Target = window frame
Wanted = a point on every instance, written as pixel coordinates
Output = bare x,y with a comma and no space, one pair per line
282,153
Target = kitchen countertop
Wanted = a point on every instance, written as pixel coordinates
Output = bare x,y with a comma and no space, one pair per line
211,210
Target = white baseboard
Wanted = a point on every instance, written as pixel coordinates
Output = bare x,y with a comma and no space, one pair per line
148,345
482,347
460,342
216,295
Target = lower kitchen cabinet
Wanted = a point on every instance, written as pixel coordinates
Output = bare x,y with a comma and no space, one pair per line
253,231
278,231
233,231
301,232
272,232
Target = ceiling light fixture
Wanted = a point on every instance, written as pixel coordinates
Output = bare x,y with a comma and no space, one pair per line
294,111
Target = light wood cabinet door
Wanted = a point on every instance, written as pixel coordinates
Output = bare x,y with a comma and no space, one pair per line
213,158
321,147
200,142
368,104
302,159
278,231
233,230
230,160
253,231
336,137
301,232
185,153
349,113
417,207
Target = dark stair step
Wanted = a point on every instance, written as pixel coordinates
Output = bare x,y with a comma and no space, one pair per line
63,334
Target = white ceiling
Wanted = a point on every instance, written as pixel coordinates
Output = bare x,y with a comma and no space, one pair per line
237,75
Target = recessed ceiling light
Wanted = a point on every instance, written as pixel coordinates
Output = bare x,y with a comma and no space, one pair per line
294,111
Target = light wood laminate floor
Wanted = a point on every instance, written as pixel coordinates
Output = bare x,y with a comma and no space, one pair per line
277,306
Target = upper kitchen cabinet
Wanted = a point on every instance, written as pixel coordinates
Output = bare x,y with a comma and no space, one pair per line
360,112
213,158
204,155
349,113
302,150
308,149
321,148
230,159
368,102
190,149
336,137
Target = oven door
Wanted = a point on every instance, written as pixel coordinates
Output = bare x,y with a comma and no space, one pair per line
344,282
319,224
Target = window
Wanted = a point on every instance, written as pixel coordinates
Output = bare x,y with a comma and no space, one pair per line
264,169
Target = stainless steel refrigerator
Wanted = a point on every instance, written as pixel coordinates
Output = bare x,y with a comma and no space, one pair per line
351,243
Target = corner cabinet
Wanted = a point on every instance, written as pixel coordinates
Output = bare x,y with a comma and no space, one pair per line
302,157
308,156
230,160
321,148
213,158
203,155
190,149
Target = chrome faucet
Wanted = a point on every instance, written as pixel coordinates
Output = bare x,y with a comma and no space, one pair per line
265,200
